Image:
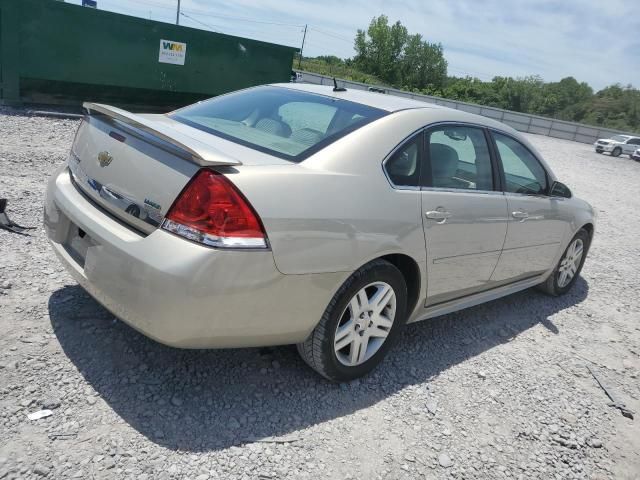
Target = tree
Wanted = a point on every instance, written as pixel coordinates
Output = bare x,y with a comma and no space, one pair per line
391,54
423,64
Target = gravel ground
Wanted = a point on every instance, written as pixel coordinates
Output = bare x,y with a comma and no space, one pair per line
496,391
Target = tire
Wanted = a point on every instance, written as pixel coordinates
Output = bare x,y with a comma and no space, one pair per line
345,311
554,284
616,152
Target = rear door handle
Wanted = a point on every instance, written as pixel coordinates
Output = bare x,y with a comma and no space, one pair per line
437,214
520,215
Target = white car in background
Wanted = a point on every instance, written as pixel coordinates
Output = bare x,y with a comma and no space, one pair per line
617,145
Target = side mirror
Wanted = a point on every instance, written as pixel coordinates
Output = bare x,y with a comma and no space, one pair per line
559,189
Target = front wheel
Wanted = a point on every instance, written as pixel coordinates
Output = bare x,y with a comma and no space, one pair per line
616,152
566,272
360,324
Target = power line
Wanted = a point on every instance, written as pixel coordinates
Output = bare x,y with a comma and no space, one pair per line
332,35
201,23
242,19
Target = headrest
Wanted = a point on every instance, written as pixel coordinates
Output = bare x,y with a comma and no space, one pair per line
273,126
444,161
307,136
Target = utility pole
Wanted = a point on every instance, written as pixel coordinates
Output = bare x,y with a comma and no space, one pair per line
178,14
302,48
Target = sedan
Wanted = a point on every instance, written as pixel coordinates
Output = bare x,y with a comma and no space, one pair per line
308,215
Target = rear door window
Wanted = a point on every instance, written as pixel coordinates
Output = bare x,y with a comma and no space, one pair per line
458,157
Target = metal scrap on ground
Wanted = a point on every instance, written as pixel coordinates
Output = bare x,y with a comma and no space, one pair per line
7,224
614,400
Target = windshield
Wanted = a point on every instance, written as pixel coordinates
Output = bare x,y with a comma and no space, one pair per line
283,122
619,138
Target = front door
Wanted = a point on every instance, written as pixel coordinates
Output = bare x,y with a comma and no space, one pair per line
464,216
536,224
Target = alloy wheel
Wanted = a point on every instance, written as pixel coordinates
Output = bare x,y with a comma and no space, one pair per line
365,324
570,262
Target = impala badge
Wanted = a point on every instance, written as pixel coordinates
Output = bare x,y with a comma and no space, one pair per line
105,159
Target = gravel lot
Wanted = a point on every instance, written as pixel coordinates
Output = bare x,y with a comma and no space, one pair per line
496,391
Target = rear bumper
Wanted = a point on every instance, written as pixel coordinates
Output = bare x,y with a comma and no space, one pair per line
177,292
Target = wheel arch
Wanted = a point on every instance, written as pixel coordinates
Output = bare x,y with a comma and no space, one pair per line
411,272
589,227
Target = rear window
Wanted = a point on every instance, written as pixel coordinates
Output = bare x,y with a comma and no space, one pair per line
283,122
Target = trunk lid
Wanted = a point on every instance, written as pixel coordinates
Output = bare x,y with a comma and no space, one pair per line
135,167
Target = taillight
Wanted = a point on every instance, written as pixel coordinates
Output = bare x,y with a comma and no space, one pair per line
212,211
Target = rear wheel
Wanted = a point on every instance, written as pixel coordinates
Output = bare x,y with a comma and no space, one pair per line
616,152
360,324
566,272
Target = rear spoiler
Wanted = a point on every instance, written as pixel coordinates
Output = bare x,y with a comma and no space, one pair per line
199,152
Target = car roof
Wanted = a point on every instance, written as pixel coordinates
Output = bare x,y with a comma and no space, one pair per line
392,103
389,103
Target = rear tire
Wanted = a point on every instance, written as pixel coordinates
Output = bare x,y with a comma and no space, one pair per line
361,322
561,279
616,152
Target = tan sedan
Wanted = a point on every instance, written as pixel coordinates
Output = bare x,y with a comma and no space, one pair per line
302,214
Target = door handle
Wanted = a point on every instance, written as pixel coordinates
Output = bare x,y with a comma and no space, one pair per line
437,215
520,215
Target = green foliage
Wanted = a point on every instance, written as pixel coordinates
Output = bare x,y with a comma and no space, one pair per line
613,107
399,59
336,67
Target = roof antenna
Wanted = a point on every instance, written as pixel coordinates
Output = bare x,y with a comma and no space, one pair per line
336,88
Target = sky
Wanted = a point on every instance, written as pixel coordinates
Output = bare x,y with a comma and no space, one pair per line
597,41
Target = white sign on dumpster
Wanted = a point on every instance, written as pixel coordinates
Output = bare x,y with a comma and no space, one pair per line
172,52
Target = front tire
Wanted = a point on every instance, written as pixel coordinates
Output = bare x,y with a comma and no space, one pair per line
616,152
569,267
360,324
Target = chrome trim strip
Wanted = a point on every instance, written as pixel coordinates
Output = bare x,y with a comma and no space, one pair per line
460,190
467,255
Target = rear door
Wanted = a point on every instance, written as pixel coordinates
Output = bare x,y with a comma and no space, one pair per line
536,224
464,214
